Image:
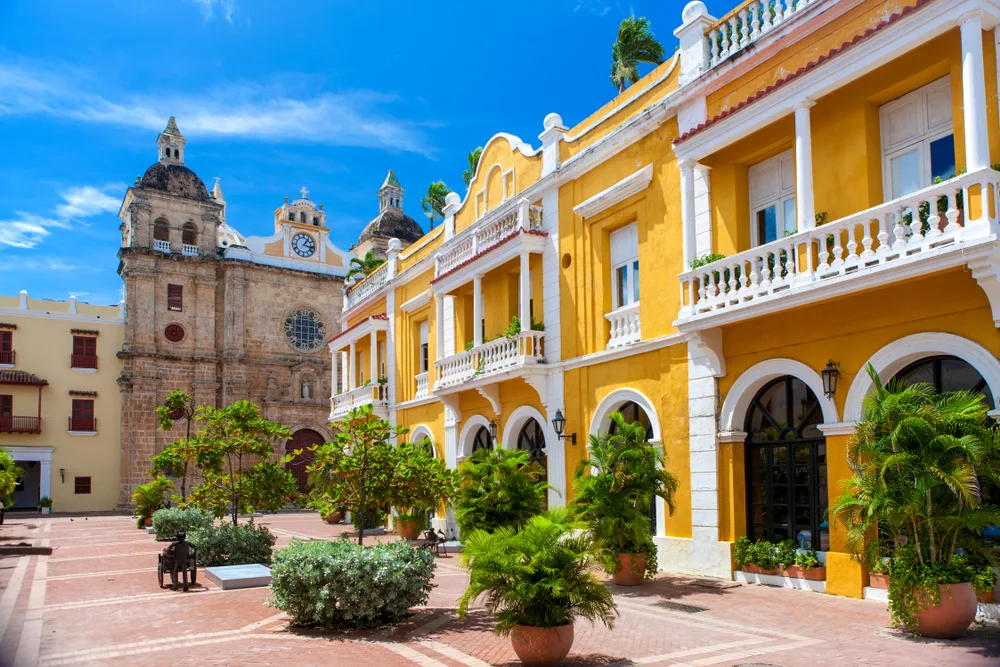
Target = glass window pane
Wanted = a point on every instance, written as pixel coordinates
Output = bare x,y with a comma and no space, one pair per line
621,282
789,222
767,224
635,281
943,158
905,171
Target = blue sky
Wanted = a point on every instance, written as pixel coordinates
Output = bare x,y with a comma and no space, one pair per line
271,96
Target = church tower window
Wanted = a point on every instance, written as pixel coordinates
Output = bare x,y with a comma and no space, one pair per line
189,234
161,230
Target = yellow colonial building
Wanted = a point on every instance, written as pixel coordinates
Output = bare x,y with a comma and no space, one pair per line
60,407
805,186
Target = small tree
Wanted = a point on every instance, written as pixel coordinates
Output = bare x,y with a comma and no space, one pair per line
498,487
420,481
10,474
433,202
178,455
470,173
357,469
234,450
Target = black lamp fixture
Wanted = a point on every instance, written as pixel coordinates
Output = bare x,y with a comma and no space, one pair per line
493,431
62,474
559,425
830,376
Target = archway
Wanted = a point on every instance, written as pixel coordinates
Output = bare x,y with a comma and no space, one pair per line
475,435
302,439
740,397
601,421
632,412
531,439
786,467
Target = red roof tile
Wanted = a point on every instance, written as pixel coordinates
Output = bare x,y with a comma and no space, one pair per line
22,377
377,316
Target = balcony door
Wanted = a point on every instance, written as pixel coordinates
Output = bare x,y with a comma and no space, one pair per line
772,199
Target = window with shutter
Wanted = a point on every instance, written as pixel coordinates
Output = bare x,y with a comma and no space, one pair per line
772,199
84,352
624,266
81,485
6,347
175,297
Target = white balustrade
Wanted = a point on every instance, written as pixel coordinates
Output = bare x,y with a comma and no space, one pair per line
904,230
490,358
624,325
743,26
370,394
421,379
372,283
496,227
161,246
189,250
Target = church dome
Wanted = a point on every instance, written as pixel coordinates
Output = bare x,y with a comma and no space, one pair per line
392,223
175,179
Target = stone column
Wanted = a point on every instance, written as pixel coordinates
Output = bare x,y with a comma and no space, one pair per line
524,292
352,371
977,149
804,167
373,342
477,310
687,210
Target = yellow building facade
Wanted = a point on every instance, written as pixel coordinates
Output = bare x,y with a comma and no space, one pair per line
803,187
60,407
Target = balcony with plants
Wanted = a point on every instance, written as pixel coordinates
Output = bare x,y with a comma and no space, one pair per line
361,369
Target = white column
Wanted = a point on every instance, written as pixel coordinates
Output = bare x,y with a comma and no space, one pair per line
687,210
373,338
477,311
524,291
704,243
335,358
804,167
352,363
977,149
45,479
439,327
344,368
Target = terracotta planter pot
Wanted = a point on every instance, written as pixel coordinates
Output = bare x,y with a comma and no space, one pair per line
541,647
986,598
753,569
334,517
878,580
408,530
148,521
950,618
631,570
811,574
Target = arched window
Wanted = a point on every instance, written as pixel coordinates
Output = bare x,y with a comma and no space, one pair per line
786,466
632,413
161,230
302,216
189,234
291,215
531,439
482,439
177,153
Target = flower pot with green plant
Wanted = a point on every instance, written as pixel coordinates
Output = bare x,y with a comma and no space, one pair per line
150,497
536,580
919,459
616,486
45,504
806,565
420,484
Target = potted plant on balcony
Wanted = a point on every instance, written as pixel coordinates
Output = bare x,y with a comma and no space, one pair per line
537,580
420,483
616,486
150,497
45,504
918,459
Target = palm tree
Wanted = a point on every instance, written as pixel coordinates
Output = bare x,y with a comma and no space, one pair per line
474,156
362,267
498,487
433,201
635,44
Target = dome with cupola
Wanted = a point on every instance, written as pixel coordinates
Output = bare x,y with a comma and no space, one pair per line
391,222
169,174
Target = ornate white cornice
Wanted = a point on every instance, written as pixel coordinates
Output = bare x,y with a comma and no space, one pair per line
618,192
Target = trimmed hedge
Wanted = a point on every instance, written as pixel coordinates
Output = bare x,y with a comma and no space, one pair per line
242,544
168,522
340,584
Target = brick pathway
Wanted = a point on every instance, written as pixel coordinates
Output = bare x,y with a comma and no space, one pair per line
95,601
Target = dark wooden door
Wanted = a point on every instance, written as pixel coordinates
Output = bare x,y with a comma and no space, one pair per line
303,440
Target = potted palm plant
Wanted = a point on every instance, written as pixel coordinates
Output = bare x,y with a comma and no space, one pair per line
537,580
420,483
150,497
918,460
616,486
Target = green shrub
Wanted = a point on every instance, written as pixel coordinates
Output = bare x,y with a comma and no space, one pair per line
741,551
807,560
339,584
763,555
242,544
374,518
498,487
151,496
784,553
168,522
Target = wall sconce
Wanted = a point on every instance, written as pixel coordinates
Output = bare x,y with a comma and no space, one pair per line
493,431
559,425
830,376
62,474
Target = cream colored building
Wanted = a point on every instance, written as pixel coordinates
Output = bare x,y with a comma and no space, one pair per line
60,407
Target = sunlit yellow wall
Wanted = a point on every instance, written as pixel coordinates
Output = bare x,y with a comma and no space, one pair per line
513,394
376,307
408,337
848,330
430,415
660,375
43,346
425,247
500,154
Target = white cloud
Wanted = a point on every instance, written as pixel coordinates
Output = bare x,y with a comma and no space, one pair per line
289,110
27,230
22,232
86,201
228,8
45,264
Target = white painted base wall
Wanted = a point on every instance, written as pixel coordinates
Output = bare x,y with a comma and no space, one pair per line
687,556
780,581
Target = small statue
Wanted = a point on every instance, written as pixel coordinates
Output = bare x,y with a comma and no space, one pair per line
181,549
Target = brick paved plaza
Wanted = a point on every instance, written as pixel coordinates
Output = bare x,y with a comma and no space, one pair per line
95,601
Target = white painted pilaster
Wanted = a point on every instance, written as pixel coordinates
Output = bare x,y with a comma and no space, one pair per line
390,350
524,292
691,37
703,240
687,210
352,371
449,325
804,167
550,277
373,356
977,149
477,311
551,137
45,479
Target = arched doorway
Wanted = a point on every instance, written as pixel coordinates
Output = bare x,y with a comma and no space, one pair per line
482,439
303,440
786,466
531,439
633,412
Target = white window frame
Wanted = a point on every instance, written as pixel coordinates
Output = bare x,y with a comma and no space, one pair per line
629,260
777,168
916,102
425,359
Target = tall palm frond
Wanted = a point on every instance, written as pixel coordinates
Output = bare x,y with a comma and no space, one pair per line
362,267
470,173
433,202
635,44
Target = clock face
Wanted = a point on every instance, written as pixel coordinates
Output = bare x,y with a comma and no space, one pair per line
303,245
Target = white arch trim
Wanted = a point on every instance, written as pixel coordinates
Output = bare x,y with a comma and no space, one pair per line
419,432
518,418
469,430
899,354
601,420
737,403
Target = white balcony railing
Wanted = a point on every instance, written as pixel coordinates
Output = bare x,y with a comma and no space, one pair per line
900,231
189,250
751,20
161,246
624,325
374,394
490,358
496,228
422,391
372,283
